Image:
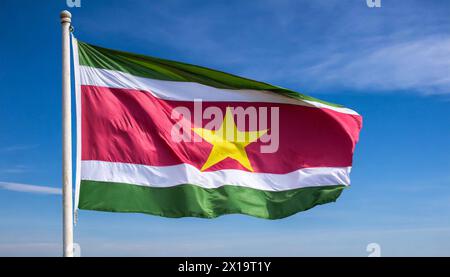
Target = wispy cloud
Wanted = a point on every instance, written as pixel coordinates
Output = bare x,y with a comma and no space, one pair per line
17,169
29,188
18,147
420,65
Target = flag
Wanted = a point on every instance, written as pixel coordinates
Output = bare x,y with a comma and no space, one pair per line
174,139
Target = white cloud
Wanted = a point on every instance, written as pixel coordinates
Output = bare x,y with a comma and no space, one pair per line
29,188
421,65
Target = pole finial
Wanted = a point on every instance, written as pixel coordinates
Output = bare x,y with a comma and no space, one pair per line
66,16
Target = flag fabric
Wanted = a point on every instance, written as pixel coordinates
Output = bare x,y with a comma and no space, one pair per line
154,137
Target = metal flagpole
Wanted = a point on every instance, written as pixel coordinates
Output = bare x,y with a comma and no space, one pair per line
66,137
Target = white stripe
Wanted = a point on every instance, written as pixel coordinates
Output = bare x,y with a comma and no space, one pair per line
189,91
168,176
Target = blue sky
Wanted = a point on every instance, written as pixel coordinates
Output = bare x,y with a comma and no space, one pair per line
391,64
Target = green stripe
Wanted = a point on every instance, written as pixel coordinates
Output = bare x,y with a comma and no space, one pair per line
194,201
155,68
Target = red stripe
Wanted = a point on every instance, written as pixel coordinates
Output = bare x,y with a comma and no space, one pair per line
130,126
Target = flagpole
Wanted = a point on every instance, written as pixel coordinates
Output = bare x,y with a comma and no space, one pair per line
66,137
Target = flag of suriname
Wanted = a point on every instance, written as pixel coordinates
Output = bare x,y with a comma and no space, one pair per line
174,139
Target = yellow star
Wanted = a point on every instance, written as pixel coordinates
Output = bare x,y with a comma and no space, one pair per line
228,142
